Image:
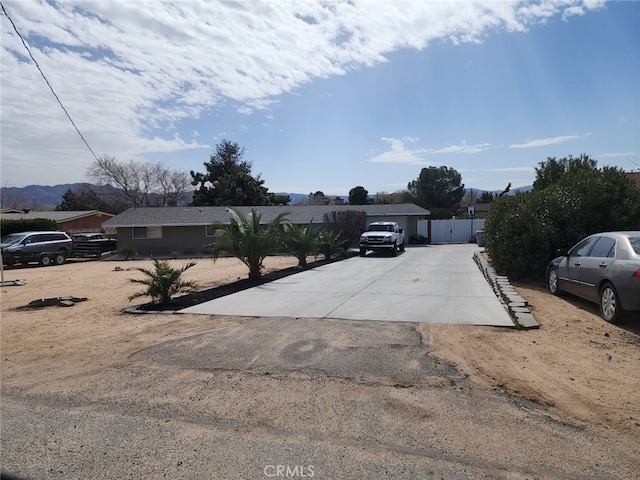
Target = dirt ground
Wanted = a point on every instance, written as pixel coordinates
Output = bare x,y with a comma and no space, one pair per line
575,361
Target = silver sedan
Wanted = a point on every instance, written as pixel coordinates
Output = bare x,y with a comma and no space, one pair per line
603,268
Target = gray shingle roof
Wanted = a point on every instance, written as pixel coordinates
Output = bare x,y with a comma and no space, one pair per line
193,216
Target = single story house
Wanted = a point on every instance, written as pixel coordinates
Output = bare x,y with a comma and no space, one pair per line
68,221
164,230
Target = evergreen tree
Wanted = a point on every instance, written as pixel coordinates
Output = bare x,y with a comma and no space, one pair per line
228,180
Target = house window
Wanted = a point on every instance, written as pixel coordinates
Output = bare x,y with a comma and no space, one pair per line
147,232
211,231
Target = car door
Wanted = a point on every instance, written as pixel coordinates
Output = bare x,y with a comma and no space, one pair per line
596,266
569,270
32,245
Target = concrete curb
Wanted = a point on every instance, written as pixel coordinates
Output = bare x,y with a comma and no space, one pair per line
517,306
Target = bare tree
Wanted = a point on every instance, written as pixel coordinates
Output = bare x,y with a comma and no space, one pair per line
347,224
142,184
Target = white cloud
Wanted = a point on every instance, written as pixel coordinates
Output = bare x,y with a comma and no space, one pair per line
543,142
582,9
130,72
464,148
399,152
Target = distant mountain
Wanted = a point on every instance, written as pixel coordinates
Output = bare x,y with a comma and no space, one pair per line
477,191
47,197
296,198
44,196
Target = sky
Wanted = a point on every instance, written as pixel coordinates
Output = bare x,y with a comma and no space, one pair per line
322,95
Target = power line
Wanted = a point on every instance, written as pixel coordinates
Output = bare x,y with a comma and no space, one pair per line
47,81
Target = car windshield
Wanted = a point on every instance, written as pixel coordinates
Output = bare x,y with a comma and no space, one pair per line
12,239
635,244
380,228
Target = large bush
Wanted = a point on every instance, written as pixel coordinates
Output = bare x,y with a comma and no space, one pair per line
28,225
347,224
523,232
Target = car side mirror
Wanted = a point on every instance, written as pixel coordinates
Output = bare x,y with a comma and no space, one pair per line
562,252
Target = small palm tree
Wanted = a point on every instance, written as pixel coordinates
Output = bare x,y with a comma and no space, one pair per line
163,282
301,241
128,252
328,244
249,241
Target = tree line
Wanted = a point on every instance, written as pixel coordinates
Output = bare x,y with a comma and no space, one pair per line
227,180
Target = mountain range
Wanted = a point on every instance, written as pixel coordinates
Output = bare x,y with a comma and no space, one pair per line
46,196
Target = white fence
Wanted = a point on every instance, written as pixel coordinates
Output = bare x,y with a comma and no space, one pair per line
450,231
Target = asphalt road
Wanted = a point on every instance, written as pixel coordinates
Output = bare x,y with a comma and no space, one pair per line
330,399
436,284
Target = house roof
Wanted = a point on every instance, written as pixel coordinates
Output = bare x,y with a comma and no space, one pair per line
58,216
635,176
195,216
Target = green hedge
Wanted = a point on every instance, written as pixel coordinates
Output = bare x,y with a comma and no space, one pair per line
523,232
36,224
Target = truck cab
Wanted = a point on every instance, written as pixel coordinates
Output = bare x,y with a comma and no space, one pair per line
386,236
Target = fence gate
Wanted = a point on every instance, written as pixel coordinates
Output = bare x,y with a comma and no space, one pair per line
455,231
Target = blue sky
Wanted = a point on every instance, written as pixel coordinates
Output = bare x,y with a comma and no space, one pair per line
322,95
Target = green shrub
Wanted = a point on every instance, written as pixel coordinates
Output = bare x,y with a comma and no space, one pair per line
300,241
163,282
128,252
245,238
523,232
8,226
329,244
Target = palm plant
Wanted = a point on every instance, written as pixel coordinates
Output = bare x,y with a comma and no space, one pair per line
301,241
328,244
163,282
128,252
249,241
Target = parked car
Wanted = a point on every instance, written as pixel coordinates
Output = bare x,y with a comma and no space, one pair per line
99,241
385,236
603,268
43,247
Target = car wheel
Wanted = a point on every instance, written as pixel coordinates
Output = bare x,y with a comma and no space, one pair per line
610,307
553,282
45,260
59,258
363,252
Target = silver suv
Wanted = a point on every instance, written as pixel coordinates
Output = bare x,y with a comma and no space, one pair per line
43,247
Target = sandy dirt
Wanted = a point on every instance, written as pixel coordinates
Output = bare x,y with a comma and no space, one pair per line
576,362
56,342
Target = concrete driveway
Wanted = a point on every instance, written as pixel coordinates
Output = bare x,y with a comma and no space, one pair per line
436,284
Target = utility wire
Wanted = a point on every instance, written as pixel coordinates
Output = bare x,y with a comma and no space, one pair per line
48,84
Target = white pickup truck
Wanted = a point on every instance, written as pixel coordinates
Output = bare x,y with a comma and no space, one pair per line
382,236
